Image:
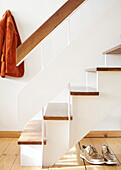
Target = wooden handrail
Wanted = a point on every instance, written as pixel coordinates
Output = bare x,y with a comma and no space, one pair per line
47,28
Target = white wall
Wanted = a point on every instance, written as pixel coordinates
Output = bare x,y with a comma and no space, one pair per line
29,15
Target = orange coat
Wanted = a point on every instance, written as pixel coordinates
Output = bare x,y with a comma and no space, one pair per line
9,41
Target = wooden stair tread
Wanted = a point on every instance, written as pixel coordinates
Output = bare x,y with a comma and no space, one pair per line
103,69
57,111
83,90
114,50
32,134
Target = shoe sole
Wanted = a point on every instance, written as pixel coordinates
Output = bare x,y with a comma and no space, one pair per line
98,163
111,163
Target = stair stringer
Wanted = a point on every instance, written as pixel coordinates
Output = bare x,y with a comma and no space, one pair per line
48,83
89,111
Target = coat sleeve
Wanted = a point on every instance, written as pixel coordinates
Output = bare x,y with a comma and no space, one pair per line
2,53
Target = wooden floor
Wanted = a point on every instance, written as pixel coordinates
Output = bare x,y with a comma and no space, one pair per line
9,155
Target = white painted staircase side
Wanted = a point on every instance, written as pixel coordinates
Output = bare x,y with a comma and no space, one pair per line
88,111
48,83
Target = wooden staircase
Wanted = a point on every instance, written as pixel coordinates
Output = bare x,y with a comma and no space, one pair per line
59,113
45,140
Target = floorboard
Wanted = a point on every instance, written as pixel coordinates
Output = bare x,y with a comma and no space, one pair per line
4,142
10,155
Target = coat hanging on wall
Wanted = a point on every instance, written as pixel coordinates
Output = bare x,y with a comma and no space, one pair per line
9,41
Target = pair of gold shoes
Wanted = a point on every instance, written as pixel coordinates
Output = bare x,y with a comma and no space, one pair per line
90,154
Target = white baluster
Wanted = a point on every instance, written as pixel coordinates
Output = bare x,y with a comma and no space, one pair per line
42,55
68,31
43,112
69,114
69,109
105,60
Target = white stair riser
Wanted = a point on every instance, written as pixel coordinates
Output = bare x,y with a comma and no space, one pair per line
31,155
113,60
92,80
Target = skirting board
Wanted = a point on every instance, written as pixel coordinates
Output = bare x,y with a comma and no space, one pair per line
10,134
103,134
92,134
